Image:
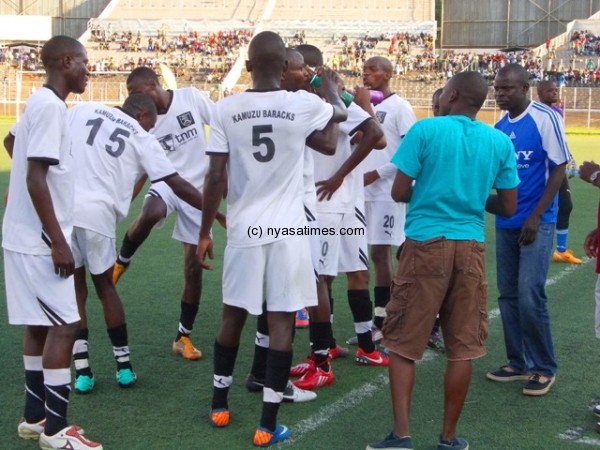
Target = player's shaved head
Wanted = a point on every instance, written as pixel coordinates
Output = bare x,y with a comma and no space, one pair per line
463,94
514,71
312,55
142,108
471,87
142,74
383,63
139,102
55,49
266,47
294,57
544,84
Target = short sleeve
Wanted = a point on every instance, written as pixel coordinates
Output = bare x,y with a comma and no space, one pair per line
46,132
217,141
407,156
154,161
507,177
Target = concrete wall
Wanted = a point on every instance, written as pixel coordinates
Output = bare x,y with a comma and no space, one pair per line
507,23
69,17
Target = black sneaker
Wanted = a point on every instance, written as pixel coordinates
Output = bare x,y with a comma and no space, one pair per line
254,384
392,442
597,410
538,385
457,443
503,375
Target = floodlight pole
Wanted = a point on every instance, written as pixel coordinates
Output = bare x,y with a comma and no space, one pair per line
508,24
441,27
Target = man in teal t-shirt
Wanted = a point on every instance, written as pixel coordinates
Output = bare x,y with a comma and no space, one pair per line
455,162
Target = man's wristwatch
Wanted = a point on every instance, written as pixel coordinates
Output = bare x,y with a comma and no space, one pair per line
595,176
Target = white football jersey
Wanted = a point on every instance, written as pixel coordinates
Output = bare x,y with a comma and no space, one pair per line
110,151
182,135
264,133
395,116
308,176
42,134
344,199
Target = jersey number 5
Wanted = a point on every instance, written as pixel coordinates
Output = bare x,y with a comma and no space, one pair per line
116,137
258,140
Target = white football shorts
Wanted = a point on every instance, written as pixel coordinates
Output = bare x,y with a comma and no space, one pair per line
189,219
329,243
354,250
283,268
385,222
35,295
94,250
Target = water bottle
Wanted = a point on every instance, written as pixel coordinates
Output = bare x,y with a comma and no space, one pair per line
572,169
346,96
376,97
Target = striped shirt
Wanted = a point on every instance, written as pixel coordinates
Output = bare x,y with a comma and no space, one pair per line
538,137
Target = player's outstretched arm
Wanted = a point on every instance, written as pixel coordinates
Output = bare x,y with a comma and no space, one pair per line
138,186
215,184
37,186
185,190
371,134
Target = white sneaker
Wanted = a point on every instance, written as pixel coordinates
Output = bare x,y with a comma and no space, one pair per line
296,395
28,430
68,437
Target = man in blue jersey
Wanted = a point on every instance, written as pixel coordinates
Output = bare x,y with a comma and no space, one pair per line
442,263
524,241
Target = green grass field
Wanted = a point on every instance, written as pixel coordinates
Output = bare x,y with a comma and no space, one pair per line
168,408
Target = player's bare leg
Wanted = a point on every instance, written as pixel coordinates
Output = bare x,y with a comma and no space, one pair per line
153,211
225,353
114,316
84,377
362,314
381,255
190,301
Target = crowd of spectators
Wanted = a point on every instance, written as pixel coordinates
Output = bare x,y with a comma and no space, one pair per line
188,53
211,56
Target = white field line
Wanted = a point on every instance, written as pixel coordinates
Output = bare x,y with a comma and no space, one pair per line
356,396
575,434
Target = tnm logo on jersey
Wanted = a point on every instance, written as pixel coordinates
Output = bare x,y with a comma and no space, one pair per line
381,116
172,142
185,120
167,142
